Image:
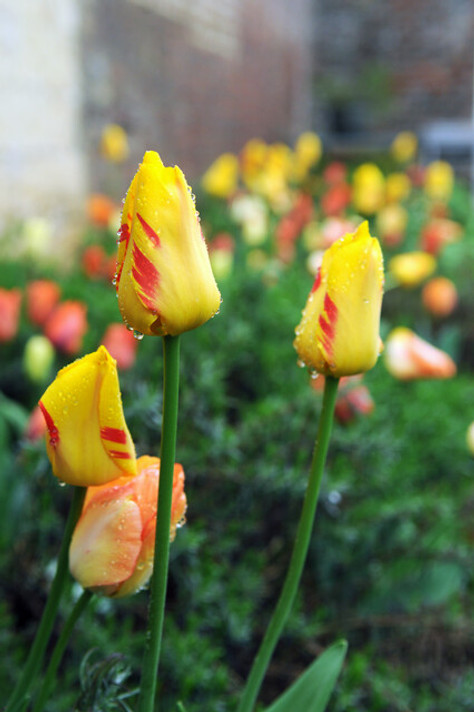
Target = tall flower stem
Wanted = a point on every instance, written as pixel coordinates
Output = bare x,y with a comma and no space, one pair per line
35,658
163,521
300,549
59,649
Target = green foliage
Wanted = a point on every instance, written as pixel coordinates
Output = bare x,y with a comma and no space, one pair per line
390,565
312,690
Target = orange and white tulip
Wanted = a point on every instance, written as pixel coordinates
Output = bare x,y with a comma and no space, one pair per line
339,331
408,357
164,278
88,442
113,544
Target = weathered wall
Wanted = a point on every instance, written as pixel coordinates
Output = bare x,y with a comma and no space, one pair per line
195,79
42,165
400,63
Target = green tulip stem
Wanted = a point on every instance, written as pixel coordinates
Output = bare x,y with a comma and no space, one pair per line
300,549
156,611
37,651
59,649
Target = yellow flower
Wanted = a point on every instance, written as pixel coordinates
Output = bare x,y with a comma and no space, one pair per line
113,543
439,180
404,147
164,278
114,143
88,442
308,151
397,187
221,177
339,331
368,193
411,268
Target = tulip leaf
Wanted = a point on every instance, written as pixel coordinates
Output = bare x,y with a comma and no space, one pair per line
312,690
13,413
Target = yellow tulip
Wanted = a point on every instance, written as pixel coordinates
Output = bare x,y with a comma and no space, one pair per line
411,268
368,193
439,180
164,278
221,177
114,143
339,331
397,187
113,543
404,146
88,442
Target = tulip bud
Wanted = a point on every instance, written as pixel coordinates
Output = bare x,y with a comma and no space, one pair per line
88,442
440,296
10,306
408,357
339,332
113,543
66,326
164,278
411,268
38,358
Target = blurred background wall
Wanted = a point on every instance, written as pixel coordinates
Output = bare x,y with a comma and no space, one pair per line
196,79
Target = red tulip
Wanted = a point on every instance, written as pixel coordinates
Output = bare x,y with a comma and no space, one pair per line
42,295
121,344
10,303
66,326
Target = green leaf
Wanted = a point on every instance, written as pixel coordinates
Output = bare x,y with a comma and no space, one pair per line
312,690
13,413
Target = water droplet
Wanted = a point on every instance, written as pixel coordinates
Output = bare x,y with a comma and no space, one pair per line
62,484
138,335
300,363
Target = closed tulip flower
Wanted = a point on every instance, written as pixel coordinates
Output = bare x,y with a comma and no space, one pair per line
66,326
88,442
42,295
412,268
164,278
408,357
113,543
339,332
10,306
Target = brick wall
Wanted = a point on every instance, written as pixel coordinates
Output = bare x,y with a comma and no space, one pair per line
194,79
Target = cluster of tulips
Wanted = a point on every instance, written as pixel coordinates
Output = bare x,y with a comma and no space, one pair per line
290,203
125,509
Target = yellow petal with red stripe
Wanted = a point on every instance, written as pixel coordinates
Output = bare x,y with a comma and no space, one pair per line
164,282
88,442
339,331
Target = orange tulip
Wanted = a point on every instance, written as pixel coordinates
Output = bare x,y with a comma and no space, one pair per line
100,210
113,543
66,326
121,345
42,295
10,304
439,232
409,357
440,296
